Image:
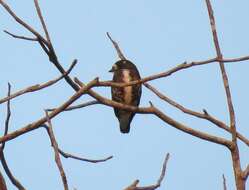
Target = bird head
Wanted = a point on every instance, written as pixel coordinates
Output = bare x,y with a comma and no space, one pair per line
122,64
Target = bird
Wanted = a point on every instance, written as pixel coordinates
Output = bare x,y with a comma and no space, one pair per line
125,71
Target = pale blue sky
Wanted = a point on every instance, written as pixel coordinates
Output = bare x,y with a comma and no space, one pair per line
156,36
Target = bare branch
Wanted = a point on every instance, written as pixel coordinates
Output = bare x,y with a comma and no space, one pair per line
239,59
2,182
206,115
67,155
56,153
38,86
167,73
116,46
70,108
240,183
196,133
2,156
224,182
7,117
223,71
133,186
42,21
20,37
54,113
186,110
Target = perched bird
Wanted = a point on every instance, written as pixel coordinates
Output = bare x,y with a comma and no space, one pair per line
125,71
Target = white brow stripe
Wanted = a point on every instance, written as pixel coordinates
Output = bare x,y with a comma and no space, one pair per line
128,89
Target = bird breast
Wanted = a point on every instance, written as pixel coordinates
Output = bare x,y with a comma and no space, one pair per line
128,89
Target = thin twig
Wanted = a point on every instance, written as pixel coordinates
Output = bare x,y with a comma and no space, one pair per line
68,155
7,117
37,87
133,186
2,156
79,106
224,182
56,153
163,170
42,21
116,46
20,37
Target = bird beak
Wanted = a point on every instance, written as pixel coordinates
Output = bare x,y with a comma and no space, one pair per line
112,70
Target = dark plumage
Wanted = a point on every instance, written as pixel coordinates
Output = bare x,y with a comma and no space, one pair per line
125,71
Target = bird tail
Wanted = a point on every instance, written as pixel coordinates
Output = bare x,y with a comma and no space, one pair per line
124,123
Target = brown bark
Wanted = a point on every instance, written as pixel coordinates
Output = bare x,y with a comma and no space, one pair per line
2,183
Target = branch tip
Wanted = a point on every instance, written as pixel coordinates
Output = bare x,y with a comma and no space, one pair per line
116,46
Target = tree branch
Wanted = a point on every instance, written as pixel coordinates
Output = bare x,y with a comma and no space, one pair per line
56,153
37,87
188,130
240,183
167,73
133,186
186,110
38,10
20,37
2,156
206,115
67,155
223,71
2,182
79,106
116,46
7,117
